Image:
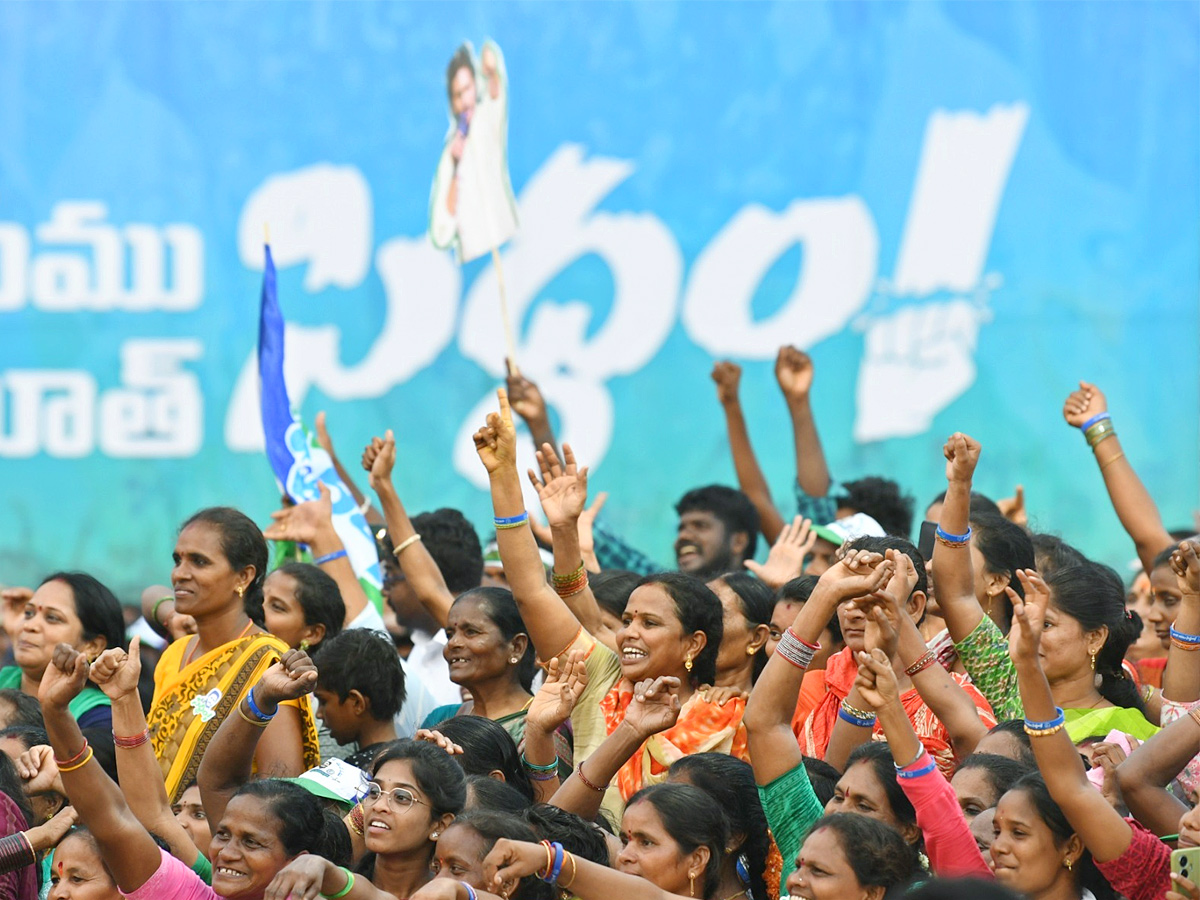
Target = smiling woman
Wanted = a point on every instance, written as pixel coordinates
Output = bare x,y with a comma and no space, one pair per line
220,561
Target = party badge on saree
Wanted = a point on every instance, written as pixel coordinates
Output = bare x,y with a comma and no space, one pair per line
205,705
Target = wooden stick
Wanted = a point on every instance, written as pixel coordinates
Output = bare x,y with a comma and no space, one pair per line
510,345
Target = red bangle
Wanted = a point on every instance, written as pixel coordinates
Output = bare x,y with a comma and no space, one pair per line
599,789
803,641
128,743
67,763
926,660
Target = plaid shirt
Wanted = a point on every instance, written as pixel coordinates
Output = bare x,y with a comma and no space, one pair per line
613,553
819,510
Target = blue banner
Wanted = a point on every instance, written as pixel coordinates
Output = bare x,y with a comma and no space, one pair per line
959,209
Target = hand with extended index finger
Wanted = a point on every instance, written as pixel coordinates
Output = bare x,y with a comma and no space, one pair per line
496,442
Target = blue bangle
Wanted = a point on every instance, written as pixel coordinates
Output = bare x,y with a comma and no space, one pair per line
258,713
953,538
511,521
329,557
1100,417
1045,726
1183,637
855,720
559,855
470,891
931,766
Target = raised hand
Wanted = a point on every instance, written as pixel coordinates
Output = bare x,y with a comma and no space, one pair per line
47,835
303,522
14,599
1186,564
292,676
1013,508
378,459
323,439
1083,404
881,632
587,522
555,700
786,559
562,490
1029,616
962,456
794,372
496,442
116,672
728,376
876,681
65,677
526,399
857,574
655,705
39,771
438,739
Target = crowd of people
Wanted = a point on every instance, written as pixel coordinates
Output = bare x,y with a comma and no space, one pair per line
983,713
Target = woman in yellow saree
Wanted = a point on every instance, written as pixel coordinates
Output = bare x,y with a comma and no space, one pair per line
220,563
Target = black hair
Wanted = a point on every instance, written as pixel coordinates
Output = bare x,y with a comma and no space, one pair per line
1000,771
577,835
757,602
363,660
26,710
878,757
698,609
881,545
1163,557
732,509
882,500
487,747
823,777
11,784
612,588
978,503
1094,596
98,609
84,834
693,819
339,848
303,827
454,545
491,827
30,736
243,544
1005,548
435,772
319,597
1085,871
876,852
1015,728
494,795
957,888
798,590
730,781
1050,552
499,606
460,60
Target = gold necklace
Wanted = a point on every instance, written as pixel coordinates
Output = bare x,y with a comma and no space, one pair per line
738,894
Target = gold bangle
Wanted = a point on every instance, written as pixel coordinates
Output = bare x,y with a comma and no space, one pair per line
1104,465
1045,732
1185,647
79,765
405,544
858,713
567,886
254,722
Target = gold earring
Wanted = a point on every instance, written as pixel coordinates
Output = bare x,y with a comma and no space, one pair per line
241,591
304,644
692,884
1093,660
750,651
687,664
1068,863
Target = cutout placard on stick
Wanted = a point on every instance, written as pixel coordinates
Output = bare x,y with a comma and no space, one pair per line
472,208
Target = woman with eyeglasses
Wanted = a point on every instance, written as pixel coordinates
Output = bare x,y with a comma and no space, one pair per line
415,793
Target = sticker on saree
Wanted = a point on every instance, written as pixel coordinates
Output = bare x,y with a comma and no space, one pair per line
205,705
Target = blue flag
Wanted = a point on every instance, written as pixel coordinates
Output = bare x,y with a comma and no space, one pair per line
298,461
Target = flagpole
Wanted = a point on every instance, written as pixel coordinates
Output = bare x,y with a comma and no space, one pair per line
509,344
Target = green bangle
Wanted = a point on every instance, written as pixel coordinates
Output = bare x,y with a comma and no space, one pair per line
344,891
534,767
154,612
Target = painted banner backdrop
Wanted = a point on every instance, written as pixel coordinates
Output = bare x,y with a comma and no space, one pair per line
959,209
